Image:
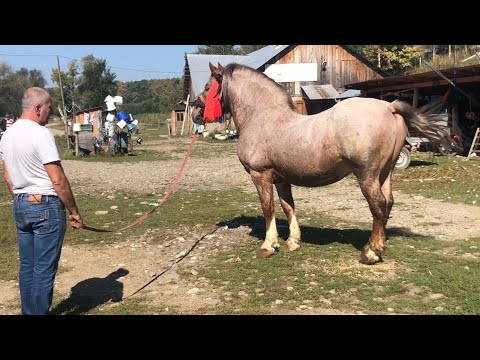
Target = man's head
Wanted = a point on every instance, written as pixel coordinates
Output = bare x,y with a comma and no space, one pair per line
36,105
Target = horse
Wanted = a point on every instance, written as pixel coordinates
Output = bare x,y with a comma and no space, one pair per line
279,146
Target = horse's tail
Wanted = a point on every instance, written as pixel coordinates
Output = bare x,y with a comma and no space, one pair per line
427,121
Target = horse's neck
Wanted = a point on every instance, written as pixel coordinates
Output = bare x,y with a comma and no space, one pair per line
260,104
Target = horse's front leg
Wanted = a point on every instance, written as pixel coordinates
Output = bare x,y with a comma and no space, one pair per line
286,200
264,183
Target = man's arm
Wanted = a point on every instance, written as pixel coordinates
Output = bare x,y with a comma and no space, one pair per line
62,188
6,177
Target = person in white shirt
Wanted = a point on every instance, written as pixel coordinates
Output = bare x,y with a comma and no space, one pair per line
41,193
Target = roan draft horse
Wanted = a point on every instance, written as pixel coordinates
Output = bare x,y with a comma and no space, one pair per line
278,146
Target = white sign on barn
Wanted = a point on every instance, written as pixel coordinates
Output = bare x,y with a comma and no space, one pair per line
292,72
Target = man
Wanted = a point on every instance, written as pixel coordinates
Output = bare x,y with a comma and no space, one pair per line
41,192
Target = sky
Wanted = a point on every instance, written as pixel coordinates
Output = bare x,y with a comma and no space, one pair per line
128,62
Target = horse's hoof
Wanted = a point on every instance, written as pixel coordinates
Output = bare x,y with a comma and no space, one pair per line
292,246
369,257
276,246
265,253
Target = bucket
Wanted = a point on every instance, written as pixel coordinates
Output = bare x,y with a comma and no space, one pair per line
118,99
135,122
131,127
77,127
121,124
111,106
109,99
122,115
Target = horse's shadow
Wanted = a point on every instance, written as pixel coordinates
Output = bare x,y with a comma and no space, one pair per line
313,235
90,293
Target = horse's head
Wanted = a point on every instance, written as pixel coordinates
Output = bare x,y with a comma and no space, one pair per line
216,74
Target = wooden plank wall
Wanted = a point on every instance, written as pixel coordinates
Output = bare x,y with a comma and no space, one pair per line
342,67
80,118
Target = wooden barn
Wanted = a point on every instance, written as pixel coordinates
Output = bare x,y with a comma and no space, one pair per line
315,75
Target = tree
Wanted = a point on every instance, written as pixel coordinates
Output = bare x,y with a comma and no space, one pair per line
247,49
218,49
395,59
13,85
88,90
96,82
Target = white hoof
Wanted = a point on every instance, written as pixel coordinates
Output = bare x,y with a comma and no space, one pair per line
292,245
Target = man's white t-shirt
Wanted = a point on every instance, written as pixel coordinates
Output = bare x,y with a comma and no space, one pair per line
25,148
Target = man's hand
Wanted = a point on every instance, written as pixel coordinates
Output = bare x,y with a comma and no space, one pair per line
76,221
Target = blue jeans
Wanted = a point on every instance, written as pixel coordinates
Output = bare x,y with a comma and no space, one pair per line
40,231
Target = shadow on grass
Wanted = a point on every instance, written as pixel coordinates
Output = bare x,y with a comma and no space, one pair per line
90,293
314,235
422,163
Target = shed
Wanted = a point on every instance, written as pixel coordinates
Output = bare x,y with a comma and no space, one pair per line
91,122
292,66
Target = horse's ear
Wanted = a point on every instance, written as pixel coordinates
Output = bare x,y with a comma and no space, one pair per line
220,67
213,69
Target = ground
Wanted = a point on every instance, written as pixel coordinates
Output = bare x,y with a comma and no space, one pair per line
145,261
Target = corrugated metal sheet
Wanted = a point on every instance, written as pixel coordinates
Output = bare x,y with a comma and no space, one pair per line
320,92
200,72
349,93
258,58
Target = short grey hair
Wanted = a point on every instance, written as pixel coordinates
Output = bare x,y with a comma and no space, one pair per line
35,96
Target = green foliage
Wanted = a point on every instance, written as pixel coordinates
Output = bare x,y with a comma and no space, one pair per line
13,85
247,49
151,96
96,81
395,59
218,49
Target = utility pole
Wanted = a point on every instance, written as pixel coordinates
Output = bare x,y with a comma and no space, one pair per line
63,103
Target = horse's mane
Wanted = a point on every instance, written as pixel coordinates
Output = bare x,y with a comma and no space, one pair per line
261,79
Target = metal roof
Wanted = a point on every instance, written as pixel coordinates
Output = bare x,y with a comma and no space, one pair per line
349,93
430,78
320,92
258,58
200,72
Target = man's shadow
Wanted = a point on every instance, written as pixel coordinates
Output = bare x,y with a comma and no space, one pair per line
90,293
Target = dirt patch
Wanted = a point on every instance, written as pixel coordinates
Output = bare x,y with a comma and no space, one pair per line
144,260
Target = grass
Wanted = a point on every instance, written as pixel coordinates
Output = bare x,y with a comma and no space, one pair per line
324,274
329,277
452,179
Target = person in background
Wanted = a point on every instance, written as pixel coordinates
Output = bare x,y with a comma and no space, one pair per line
3,123
41,193
9,121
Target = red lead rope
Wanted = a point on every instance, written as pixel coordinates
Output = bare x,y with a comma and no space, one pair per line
165,197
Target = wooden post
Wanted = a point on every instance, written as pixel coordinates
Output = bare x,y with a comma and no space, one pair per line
415,98
64,115
185,114
173,119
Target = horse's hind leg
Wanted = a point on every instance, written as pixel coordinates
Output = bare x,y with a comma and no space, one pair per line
387,192
286,200
264,184
371,189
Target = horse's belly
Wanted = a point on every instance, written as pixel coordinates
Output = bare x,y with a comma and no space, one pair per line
316,178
